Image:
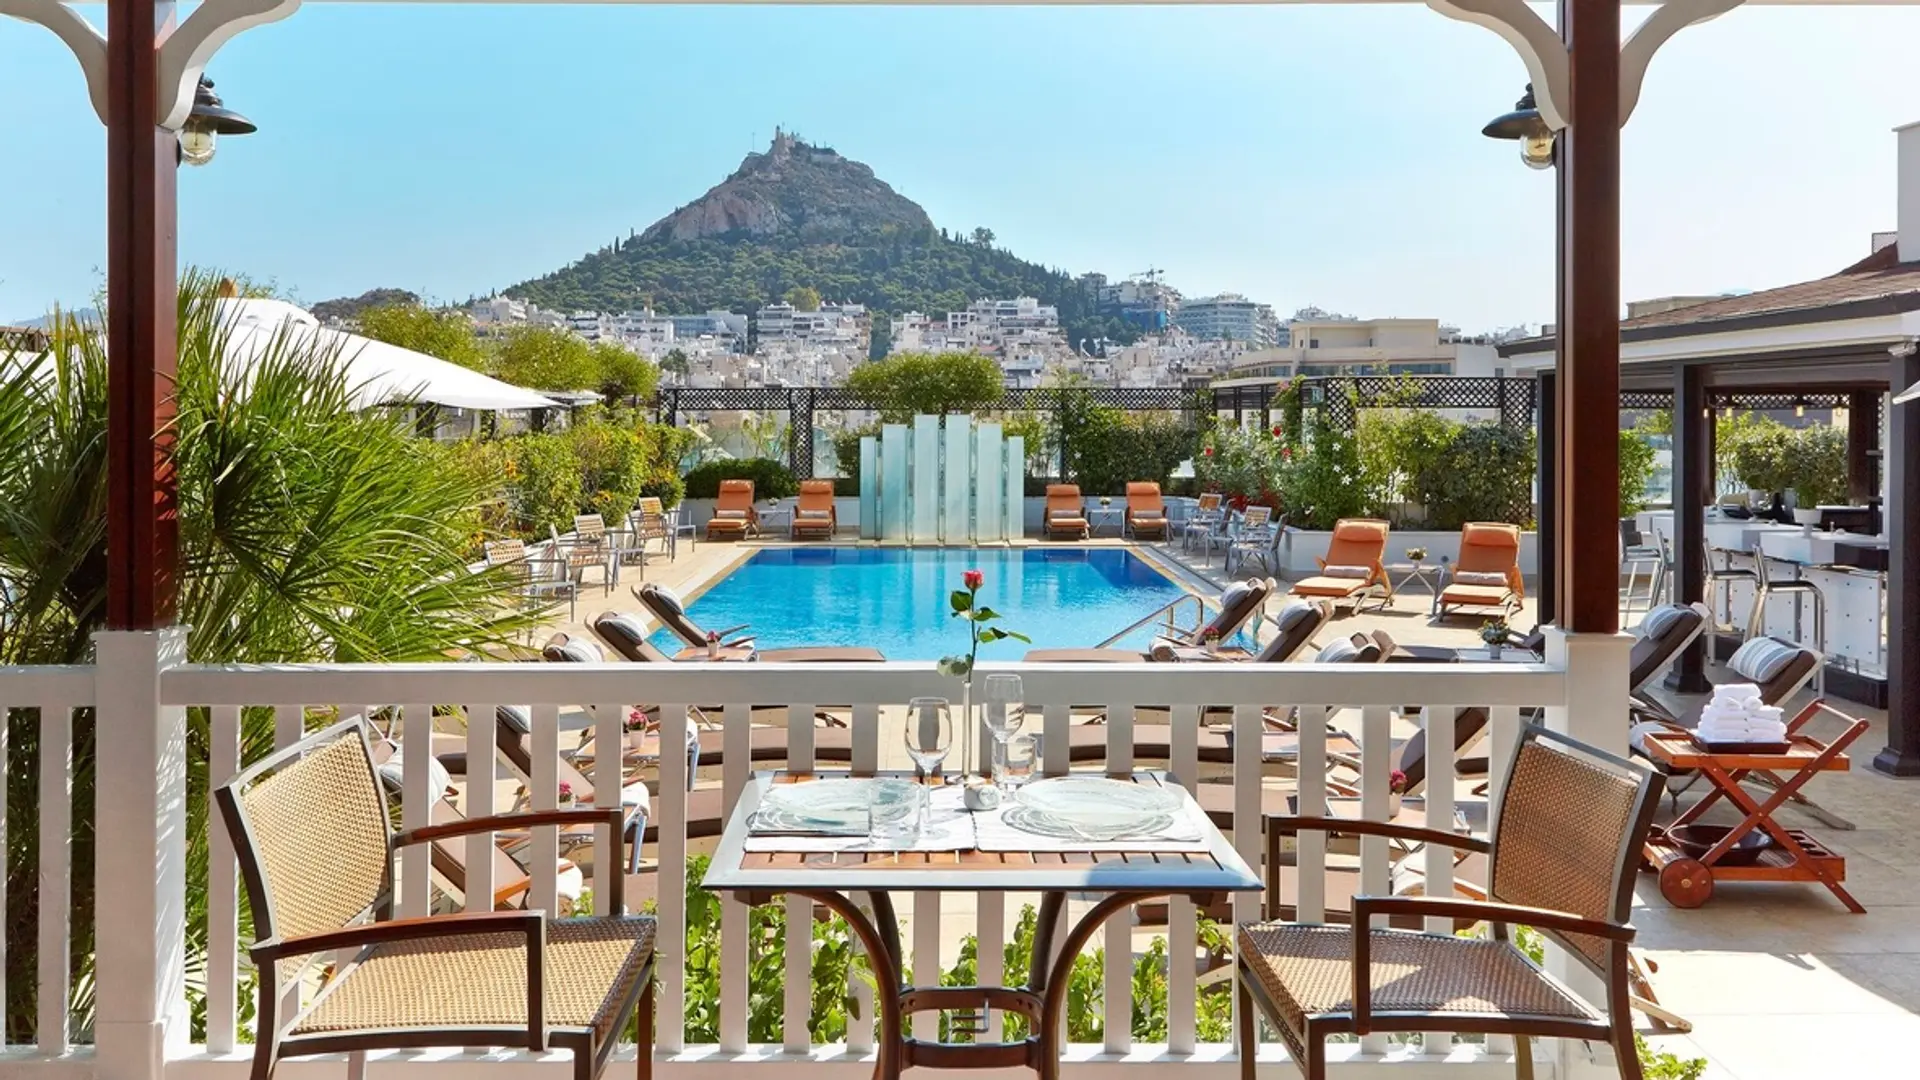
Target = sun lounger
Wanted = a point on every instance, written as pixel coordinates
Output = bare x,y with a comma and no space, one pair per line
1146,511
813,515
733,515
666,607
1352,569
1066,513
1488,572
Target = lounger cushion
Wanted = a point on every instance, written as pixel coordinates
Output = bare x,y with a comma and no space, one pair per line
1478,595
1480,577
1660,620
1337,588
1762,659
730,515
626,624
668,599
1361,572
517,717
817,515
1343,651
582,651
1294,614
393,771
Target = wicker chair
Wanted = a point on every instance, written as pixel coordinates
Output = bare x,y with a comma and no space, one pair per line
310,826
1564,852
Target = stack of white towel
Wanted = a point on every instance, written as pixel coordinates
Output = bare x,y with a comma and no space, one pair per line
1737,715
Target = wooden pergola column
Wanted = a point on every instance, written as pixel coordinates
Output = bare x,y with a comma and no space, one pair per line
1587,338
1863,438
1692,491
142,317
1902,512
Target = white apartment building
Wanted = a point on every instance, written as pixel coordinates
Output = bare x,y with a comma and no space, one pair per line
839,325
1229,317
497,311
715,323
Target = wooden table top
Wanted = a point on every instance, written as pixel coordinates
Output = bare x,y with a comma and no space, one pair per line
1218,869
1677,748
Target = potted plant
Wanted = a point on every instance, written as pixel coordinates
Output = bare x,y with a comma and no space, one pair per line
1210,640
713,645
1416,555
1494,633
1106,501
635,728
1396,791
565,798
1816,465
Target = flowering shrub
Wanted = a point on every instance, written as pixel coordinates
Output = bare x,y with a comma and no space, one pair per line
1246,466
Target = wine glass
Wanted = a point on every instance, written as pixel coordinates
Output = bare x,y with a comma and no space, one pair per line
929,736
1006,711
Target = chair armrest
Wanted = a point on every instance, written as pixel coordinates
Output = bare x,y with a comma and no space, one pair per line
532,924
1365,907
619,819
1284,824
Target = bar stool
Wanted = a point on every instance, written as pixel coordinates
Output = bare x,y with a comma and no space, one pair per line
1765,586
1726,575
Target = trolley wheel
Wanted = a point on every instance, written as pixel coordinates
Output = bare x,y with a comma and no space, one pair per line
1686,883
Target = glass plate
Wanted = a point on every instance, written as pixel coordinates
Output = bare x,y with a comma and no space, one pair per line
1098,799
1041,823
818,807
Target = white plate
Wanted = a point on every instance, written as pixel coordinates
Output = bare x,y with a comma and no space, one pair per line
1098,801
1042,823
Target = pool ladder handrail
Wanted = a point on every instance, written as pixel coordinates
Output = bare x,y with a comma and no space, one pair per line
1168,610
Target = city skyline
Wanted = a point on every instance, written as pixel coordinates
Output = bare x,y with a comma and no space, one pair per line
465,154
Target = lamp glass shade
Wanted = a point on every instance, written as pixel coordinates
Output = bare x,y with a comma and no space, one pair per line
1536,149
197,144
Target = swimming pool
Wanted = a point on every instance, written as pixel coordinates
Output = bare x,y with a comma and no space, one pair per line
895,599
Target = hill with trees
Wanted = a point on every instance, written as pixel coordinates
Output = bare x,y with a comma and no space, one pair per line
801,217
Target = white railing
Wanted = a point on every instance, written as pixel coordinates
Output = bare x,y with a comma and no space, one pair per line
1361,700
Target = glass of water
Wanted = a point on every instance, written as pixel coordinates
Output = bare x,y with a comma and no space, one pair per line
893,813
1013,762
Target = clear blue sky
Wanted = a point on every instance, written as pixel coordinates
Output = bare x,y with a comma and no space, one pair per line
1323,155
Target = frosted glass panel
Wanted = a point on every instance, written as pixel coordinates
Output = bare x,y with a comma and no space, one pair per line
869,487
956,473
988,487
894,442
1016,479
924,499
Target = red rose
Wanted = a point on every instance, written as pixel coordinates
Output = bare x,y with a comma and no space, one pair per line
1287,452
1276,431
1206,451
974,579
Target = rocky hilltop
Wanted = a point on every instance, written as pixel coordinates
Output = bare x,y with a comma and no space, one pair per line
791,190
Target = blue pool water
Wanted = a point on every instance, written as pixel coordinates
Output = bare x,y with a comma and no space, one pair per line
895,599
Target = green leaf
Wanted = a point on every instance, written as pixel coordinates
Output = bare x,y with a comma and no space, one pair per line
991,634
1015,635
961,600
985,613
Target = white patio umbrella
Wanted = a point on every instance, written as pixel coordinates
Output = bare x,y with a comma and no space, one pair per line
1911,393
378,372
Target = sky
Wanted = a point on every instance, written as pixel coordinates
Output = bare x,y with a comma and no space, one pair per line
1302,155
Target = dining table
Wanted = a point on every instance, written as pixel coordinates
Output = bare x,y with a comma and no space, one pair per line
964,851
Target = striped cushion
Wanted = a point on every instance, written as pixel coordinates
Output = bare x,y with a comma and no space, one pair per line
1340,652
517,717
731,515
583,651
669,599
1762,659
1660,620
1357,572
818,515
1479,577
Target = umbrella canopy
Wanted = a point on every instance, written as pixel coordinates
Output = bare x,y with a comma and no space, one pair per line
1911,393
378,372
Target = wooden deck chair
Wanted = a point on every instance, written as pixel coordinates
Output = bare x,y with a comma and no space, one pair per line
311,832
1353,569
666,608
734,517
1488,573
1562,858
813,515
1066,515
1146,511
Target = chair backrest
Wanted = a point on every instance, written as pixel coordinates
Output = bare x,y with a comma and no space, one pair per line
651,506
624,634
1239,602
665,605
1358,542
311,830
1063,499
504,552
1491,547
1209,502
1467,727
1664,631
1143,497
816,495
1570,828
735,495
1256,517
1297,622
588,528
